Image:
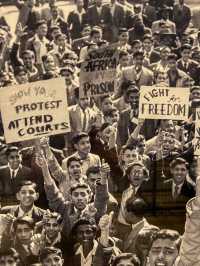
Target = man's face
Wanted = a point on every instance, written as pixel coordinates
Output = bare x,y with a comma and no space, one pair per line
106,104
112,118
124,37
80,198
147,44
129,156
137,47
42,30
7,261
83,145
164,54
106,134
124,61
168,144
169,126
14,159
84,102
162,77
179,173
79,3
53,260
98,2
196,95
24,233
92,179
75,170
172,64
163,253
28,60
61,41
125,262
186,53
139,61
54,12
27,195
85,234
165,14
96,38
52,228
133,99
141,147
136,176
49,64
22,77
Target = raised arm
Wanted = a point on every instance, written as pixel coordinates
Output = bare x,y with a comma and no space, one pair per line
54,196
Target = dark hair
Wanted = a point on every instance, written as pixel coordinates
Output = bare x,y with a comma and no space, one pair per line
40,22
138,206
148,36
110,111
79,136
172,56
19,69
93,170
138,53
186,46
145,171
28,52
50,215
95,30
4,252
84,221
178,161
126,256
104,97
73,159
168,234
136,42
11,149
26,183
23,220
123,53
48,251
80,185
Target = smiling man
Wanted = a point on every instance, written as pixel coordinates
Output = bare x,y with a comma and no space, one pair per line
165,248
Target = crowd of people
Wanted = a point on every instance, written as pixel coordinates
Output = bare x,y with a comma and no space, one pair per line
116,190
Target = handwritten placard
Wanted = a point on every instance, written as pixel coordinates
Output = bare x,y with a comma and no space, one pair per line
98,72
164,103
34,109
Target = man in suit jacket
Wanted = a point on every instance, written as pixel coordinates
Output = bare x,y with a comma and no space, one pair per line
150,54
188,65
117,20
11,176
26,196
173,194
76,20
100,15
137,73
182,16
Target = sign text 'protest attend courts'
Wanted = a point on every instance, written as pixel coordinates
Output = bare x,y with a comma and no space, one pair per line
164,103
34,109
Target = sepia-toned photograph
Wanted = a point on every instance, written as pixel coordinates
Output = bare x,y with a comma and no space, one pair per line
99,133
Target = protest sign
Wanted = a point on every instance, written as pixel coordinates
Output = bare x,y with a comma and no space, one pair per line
36,109
164,103
197,133
98,72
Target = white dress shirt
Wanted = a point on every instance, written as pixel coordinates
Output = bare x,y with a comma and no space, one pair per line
88,260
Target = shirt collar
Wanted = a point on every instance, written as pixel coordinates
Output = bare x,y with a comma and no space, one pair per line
21,213
92,252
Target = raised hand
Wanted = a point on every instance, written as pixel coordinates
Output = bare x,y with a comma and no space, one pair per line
106,221
105,172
